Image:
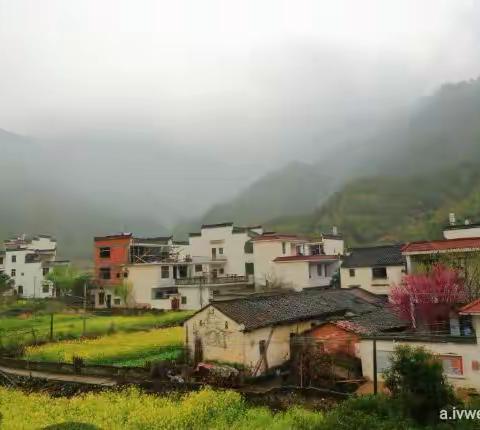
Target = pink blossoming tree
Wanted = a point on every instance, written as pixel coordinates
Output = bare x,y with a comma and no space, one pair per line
425,298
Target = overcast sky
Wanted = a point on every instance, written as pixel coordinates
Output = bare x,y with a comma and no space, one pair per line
194,69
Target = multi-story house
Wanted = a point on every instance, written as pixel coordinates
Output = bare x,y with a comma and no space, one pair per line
222,264
291,261
28,261
375,269
114,256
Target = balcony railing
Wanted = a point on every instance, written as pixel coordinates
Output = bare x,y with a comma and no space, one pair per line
202,280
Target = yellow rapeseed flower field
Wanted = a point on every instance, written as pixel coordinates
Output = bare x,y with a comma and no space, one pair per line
132,409
117,349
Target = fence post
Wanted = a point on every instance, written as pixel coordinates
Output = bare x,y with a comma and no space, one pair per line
375,377
51,327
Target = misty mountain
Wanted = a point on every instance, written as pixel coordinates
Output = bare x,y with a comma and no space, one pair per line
417,168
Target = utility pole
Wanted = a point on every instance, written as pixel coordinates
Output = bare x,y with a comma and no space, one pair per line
375,381
51,327
84,307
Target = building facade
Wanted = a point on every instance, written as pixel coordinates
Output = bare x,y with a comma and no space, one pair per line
296,262
28,261
375,269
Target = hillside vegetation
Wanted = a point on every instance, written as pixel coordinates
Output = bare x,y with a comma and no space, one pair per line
406,179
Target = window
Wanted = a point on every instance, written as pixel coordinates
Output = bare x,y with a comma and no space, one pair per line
379,273
14,258
116,302
1,260
198,268
13,273
220,251
101,298
383,361
105,273
20,290
226,324
248,247
104,252
249,269
320,270
163,293
221,270
165,272
184,300
125,274
315,249
45,288
45,271
452,364
351,272
284,248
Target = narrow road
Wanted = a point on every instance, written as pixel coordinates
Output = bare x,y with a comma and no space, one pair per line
82,379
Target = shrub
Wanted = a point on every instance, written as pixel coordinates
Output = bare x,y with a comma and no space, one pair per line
417,382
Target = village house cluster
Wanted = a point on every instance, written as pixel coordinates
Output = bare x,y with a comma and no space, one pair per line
27,262
257,295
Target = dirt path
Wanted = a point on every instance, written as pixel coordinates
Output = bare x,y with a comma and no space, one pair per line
82,379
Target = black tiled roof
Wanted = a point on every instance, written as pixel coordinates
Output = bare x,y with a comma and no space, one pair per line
262,311
375,256
378,321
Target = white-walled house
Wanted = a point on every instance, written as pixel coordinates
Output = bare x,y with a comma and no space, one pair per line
460,355
374,268
296,262
226,248
28,261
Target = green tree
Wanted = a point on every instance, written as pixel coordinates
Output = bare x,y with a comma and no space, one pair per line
125,292
64,278
417,382
6,283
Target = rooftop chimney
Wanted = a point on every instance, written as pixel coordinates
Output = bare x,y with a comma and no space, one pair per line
451,218
335,230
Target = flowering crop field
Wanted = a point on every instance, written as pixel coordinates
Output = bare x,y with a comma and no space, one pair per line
132,409
18,330
121,349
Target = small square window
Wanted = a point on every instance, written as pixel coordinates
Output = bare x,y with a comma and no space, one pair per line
105,273
351,273
45,271
184,300
198,268
221,271
14,258
45,288
220,251
104,252
116,302
379,273
13,273
165,272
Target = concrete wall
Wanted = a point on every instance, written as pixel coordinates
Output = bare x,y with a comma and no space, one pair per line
363,278
293,274
333,246
196,296
145,277
461,233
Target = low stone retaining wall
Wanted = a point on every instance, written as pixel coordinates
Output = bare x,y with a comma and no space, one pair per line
70,369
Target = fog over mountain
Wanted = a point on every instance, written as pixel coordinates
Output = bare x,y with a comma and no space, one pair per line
139,116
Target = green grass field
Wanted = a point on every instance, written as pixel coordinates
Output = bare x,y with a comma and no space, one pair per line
30,329
121,349
131,409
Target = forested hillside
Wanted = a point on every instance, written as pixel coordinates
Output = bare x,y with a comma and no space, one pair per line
403,182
